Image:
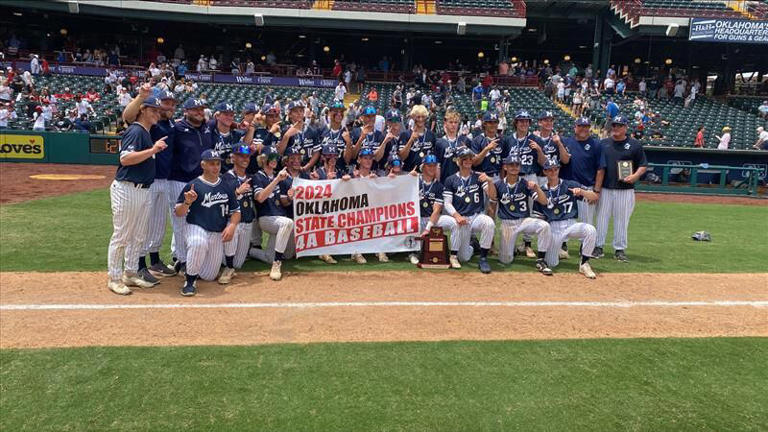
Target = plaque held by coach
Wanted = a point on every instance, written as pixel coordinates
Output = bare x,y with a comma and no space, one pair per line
625,168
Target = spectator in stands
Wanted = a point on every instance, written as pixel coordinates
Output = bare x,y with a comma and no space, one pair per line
84,108
621,86
213,64
699,142
336,72
34,65
679,91
609,85
62,123
124,98
477,94
339,92
179,53
725,139
250,67
6,92
397,98
29,82
461,85
82,124
494,94
763,109
39,119
361,79
762,139
5,115
373,95
92,95
611,110
348,78
271,59
577,103
202,63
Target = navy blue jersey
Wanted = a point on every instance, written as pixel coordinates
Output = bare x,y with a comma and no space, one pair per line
224,143
247,209
372,141
429,194
528,157
271,206
326,136
163,128
322,174
551,152
491,164
215,203
136,139
261,136
187,142
286,185
513,198
465,194
420,147
561,203
586,160
305,143
445,151
616,151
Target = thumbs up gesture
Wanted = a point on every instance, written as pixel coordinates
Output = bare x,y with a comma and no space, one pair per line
190,196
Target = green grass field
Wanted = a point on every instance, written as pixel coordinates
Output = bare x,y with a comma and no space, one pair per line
713,384
586,385
71,233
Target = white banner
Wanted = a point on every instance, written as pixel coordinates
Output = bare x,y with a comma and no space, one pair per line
357,216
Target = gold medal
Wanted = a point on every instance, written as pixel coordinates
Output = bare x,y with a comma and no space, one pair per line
303,151
467,200
245,203
426,204
557,211
421,154
512,207
493,159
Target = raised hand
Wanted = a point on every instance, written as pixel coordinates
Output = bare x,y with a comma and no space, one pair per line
282,175
160,145
275,129
244,188
575,191
492,144
534,145
144,90
531,184
190,196
483,177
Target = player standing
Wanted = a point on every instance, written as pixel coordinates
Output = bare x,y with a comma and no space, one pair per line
419,142
129,194
618,194
224,134
212,213
447,146
489,147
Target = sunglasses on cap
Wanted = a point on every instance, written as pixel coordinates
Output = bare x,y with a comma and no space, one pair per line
396,163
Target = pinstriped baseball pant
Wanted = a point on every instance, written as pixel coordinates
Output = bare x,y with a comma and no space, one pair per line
158,216
619,204
204,252
179,223
129,227
460,236
534,178
280,230
569,229
240,244
511,228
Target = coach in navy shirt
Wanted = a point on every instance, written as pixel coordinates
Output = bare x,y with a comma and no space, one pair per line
586,165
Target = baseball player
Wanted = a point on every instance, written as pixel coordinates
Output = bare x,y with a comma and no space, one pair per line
617,197
328,171
562,212
336,135
160,202
529,148
273,217
190,137
129,194
489,146
418,142
267,134
391,143
513,194
299,136
224,135
431,204
368,137
212,212
463,198
447,146
236,251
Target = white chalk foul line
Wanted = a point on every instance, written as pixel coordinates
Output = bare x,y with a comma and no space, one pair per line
317,305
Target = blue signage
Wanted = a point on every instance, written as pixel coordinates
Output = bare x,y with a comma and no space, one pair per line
728,30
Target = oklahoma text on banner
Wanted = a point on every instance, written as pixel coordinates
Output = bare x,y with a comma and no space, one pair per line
356,216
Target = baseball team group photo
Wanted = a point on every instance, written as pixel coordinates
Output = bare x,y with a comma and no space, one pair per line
383,215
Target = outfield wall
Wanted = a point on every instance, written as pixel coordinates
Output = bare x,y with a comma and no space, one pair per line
80,148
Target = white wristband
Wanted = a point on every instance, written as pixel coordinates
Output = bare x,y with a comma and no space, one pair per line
429,226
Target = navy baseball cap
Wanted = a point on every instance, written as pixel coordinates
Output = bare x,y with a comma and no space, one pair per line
620,120
225,107
366,152
271,154
290,151
250,107
369,110
523,115
336,105
430,159
295,104
329,150
269,109
210,155
546,114
490,117
512,158
152,102
242,149
193,103
394,116
551,163
465,152
394,161
163,94
583,121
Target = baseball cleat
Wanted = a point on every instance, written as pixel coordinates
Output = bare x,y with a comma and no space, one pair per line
563,254
483,265
382,257
519,250
543,268
475,245
162,270
413,259
597,252
454,260
276,273
359,258
327,259
118,287
586,270
137,281
188,290
147,276
529,252
226,275
621,256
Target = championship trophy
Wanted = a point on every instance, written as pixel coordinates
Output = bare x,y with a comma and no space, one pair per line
434,250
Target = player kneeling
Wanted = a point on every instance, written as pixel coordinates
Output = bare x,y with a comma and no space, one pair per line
207,202
464,199
561,210
431,204
236,251
513,193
